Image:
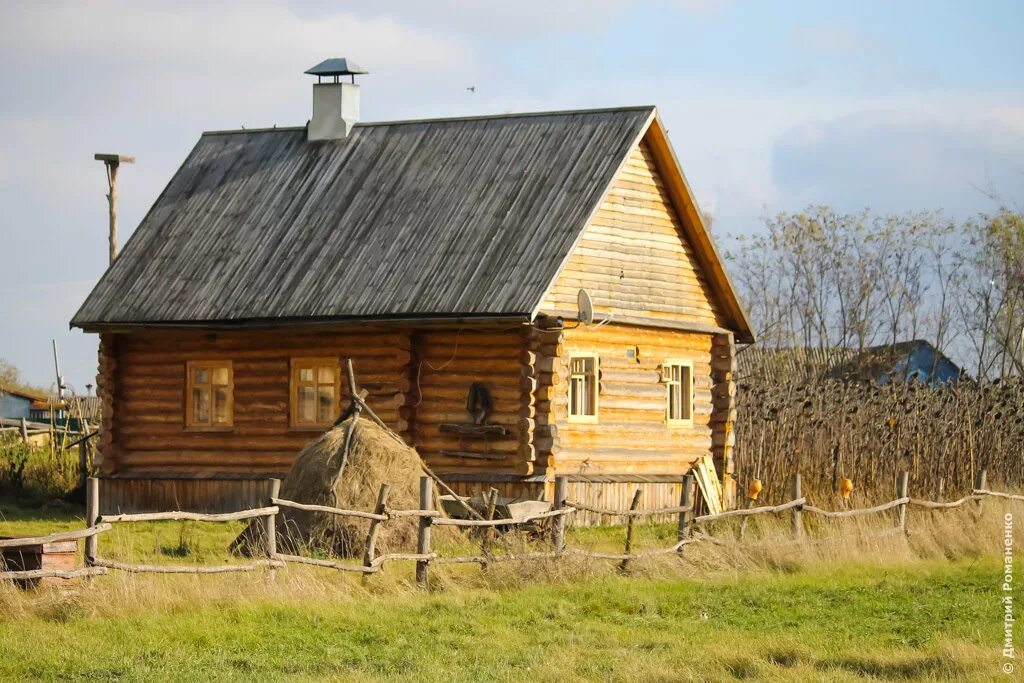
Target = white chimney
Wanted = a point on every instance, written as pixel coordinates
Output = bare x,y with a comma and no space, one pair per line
335,104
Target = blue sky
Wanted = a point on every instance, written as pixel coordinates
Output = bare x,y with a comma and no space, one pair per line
771,106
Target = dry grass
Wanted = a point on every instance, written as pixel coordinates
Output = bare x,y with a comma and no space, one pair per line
853,602
967,533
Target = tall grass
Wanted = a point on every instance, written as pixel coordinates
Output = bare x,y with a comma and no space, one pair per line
37,473
969,532
829,430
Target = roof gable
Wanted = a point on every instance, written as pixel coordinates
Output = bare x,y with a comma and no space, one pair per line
446,218
692,289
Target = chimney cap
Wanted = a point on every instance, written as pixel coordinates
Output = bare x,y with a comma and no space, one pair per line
336,66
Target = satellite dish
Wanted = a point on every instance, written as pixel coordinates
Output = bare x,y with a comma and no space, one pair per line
586,307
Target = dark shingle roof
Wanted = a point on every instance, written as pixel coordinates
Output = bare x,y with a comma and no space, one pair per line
451,217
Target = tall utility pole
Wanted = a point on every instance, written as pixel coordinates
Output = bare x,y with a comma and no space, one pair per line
113,162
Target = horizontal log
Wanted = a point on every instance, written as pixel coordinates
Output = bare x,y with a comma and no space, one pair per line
178,515
31,574
58,537
172,569
860,511
345,567
220,458
746,512
341,512
937,505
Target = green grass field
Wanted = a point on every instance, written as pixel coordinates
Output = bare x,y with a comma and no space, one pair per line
914,623
922,609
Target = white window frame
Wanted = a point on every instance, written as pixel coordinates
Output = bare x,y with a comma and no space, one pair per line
685,385
584,419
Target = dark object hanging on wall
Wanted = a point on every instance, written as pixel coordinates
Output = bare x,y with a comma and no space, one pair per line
478,403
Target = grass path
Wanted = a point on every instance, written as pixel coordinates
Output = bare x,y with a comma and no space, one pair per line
919,622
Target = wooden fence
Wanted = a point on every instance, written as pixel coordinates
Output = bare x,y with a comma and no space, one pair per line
430,517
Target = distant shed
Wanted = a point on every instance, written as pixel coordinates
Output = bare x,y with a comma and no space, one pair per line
910,361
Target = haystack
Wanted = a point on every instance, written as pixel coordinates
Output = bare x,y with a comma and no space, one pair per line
323,475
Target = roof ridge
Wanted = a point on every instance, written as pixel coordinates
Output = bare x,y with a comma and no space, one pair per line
445,119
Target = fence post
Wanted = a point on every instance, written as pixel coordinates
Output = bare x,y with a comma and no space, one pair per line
423,540
797,518
980,484
491,501
371,534
558,530
902,490
92,515
270,521
686,500
624,565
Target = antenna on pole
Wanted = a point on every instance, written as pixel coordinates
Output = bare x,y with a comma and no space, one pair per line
113,162
56,369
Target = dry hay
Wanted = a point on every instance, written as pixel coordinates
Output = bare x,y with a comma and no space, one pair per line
322,475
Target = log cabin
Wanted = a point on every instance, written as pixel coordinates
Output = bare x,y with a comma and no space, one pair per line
445,257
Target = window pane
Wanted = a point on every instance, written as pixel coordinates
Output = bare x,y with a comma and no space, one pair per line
200,405
306,410
583,386
673,401
325,410
305,374
687,392
325,375
220,376
220,405
201,376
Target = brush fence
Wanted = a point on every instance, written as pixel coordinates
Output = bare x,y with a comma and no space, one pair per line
429,517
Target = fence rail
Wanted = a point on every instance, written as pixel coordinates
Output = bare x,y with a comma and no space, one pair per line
430,517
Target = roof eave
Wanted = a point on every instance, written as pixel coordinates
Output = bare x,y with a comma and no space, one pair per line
321,321
706,252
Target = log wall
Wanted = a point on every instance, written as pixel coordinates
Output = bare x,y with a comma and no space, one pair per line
147,430
447,362
632,435
634,258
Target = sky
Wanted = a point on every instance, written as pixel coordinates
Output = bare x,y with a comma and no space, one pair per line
770,106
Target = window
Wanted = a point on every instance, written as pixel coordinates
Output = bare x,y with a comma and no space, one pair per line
583,388
678,377
210,394
314,392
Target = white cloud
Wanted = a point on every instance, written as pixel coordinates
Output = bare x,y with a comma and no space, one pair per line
897,159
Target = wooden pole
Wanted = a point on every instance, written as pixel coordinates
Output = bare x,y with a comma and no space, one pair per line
371,534
797,518
980,484
112,168
902,488
743,522
24,431
558,528
113,162
270,521
423,540
92,515
686,499
624,565
487,539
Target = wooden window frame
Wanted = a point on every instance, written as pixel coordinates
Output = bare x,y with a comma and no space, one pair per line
584,419
190,384
293,391
686,391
